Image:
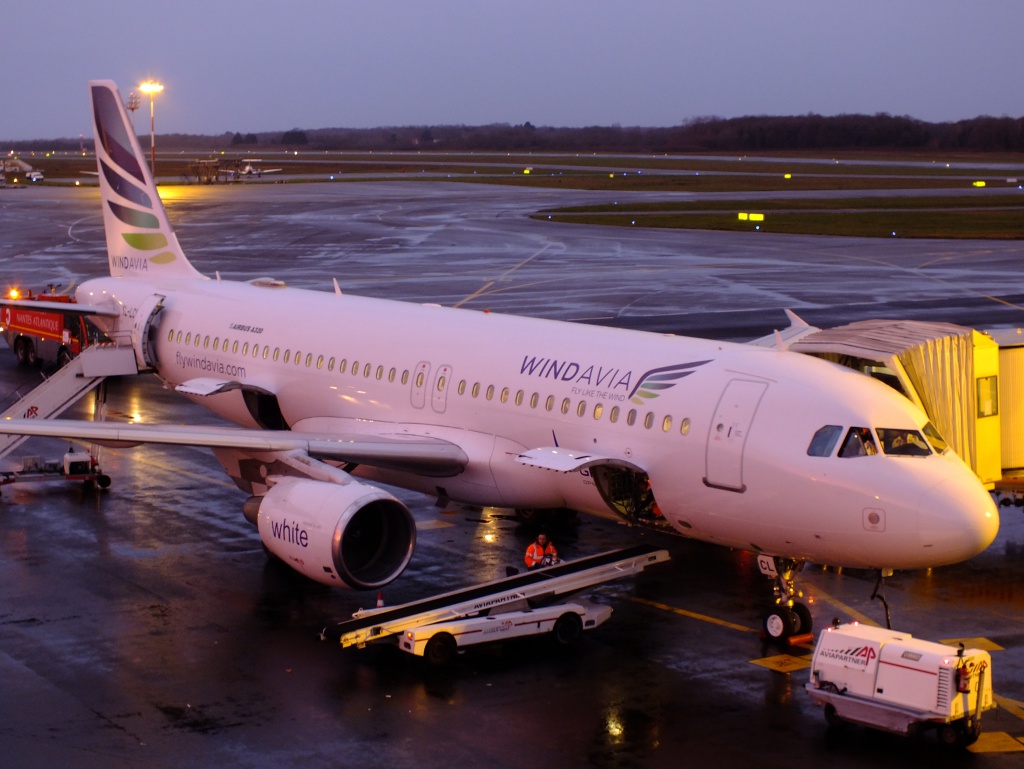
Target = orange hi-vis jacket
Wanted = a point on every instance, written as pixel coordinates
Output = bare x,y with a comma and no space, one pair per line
535,554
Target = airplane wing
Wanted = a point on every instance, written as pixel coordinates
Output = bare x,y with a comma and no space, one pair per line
798,328
419,454
68,308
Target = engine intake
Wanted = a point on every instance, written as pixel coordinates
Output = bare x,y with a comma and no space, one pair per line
350,535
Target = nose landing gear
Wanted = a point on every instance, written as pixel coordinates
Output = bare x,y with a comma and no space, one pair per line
788,615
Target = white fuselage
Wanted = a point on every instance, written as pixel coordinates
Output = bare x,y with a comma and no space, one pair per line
725,446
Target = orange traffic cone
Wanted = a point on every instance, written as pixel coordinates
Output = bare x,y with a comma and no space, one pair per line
380,598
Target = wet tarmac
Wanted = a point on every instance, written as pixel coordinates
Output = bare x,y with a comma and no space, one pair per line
144,626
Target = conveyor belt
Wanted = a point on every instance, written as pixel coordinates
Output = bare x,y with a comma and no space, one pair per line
560,579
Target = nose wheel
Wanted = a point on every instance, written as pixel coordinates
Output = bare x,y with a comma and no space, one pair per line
788,615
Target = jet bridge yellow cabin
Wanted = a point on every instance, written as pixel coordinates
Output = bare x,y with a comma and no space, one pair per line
950,371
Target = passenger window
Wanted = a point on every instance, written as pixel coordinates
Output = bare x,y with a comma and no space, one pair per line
859,443
266,352
581,409
309,360
419,379
462,387
476,390
330,365
631,417
666,424
649,420
255,351
684,426
298,357
405,377
342,365
178,338
490,392
504,395
598,410
902,443
234,347
613,415
355,368
519,398
206,342
533,400
824,441
320,361
440,384
216,343
380,373
391,375
366,371
565,406
245,349
188,338
277,351
549,403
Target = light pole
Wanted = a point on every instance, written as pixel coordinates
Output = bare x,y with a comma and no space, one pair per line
131,106
152,88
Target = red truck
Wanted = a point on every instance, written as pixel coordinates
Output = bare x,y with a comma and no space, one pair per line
38,336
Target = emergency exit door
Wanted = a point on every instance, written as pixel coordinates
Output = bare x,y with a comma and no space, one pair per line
728,434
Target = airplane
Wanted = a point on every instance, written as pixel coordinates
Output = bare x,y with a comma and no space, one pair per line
750,447
247,167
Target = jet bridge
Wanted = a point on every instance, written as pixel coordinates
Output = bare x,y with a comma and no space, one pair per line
69,383
534,589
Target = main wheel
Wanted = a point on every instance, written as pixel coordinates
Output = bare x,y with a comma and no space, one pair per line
19,350
440,650
802,620
831,717
951,735
568,629
31,359
779,623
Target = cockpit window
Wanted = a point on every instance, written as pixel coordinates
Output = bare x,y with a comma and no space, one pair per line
824,441
859,443
902,443
937,442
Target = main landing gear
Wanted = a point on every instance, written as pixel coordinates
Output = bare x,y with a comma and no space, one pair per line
788,616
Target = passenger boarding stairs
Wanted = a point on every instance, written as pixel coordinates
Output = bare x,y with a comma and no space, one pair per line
534,588
69,383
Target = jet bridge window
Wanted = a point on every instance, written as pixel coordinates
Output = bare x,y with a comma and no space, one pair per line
824,441
902,443
859,443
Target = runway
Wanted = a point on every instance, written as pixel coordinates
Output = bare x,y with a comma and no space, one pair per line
144,626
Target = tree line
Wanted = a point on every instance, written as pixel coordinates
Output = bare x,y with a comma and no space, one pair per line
706,134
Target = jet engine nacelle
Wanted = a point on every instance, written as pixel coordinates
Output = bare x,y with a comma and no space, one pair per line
350,535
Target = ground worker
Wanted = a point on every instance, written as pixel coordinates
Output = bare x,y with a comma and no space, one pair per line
541,552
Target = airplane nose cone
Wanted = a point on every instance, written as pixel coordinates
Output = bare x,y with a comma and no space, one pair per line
958,519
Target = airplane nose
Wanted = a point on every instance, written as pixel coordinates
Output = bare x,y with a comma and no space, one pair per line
958,518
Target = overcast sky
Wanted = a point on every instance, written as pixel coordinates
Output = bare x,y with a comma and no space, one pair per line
257,65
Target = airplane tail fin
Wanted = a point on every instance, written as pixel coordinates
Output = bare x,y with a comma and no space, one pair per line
140,241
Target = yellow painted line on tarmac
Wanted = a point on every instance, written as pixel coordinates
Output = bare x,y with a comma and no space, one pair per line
1013,707
973,643
863,619
996,742
783,663
693,615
